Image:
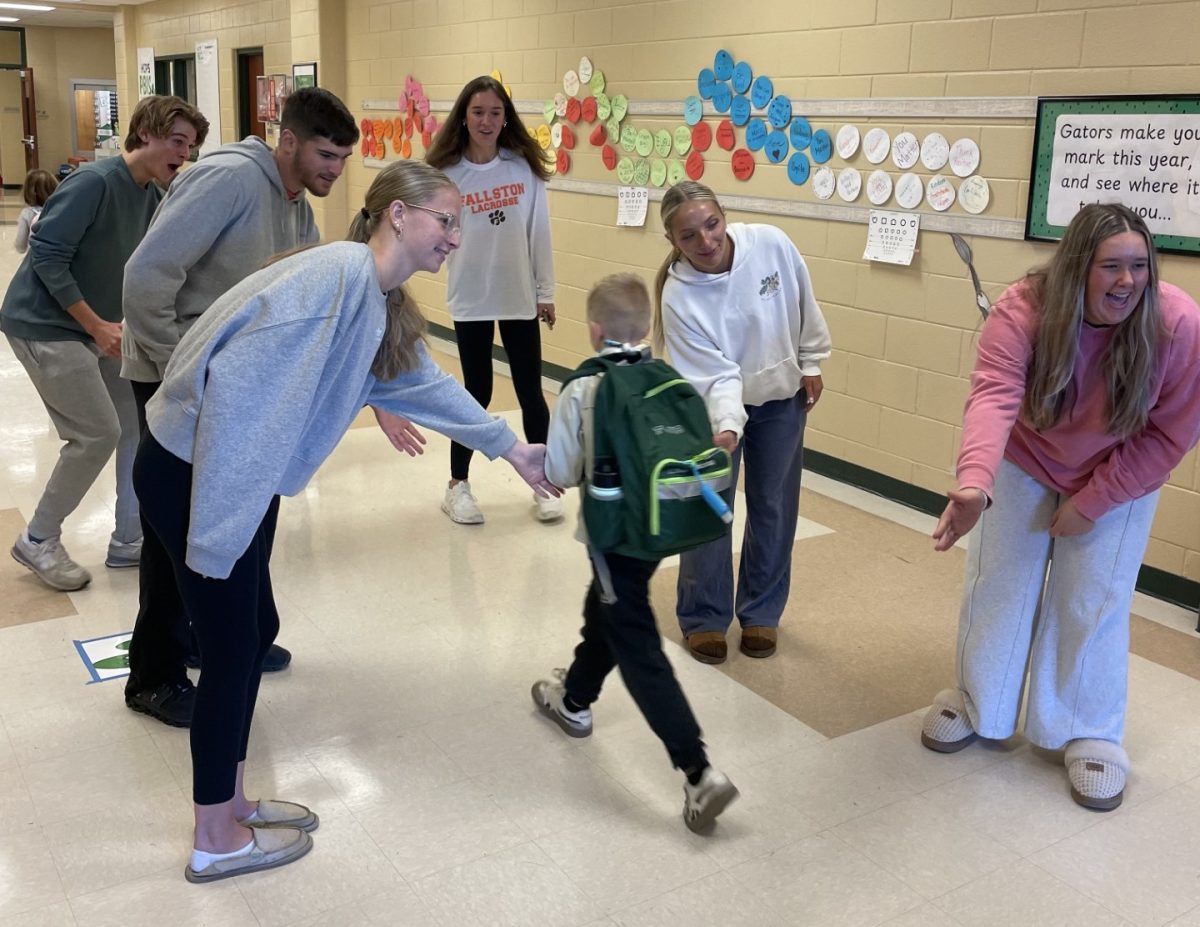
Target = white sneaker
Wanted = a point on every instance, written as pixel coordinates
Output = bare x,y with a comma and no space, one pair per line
461,506
51,563
549,508
548,696
706,799
123,555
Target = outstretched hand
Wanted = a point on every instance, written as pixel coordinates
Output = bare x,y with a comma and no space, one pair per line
529,462
961,513
403,434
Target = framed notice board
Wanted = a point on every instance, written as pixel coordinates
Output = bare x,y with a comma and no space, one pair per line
1143,151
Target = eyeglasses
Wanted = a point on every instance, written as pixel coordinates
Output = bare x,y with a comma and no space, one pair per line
449,222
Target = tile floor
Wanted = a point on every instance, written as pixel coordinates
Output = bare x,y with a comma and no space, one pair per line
405,720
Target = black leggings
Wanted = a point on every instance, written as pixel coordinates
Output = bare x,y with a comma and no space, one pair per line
522,342
234,619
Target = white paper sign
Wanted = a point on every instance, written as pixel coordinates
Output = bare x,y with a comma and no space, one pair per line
632,203
145,60
208,92
891,236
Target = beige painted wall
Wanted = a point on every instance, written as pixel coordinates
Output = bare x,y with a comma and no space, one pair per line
58,55
904,337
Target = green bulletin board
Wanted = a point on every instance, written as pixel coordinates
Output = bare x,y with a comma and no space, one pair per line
1140,151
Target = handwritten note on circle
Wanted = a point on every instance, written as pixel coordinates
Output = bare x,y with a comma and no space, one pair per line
662,143
739,111
571,83
847,142
596,84
694,165
849,183
675,172
743,164
706,83
683,139
693,110
824,183
776,146
761,91
821,147
588,109
974,194
725,137
641,172
742,75
779,113
562,161
756,134
620,106
701,136
574,110
935,151
658,172
645,142
905,150
722,97
876,145
723,65
801,133
629,137
625,170
608,154
909,191
603,107
585,69
560,104
798,168
879,187
964,157
939,192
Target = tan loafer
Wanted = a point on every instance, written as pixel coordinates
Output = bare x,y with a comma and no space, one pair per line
708,646
758,642
273,846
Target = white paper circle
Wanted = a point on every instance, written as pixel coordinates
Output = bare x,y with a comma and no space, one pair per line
556,135
934,151
974,195
571,83
585,69
905,150
823,183
560,105
849,184
876,145
939,192
909,191
879,187
847,142
964,157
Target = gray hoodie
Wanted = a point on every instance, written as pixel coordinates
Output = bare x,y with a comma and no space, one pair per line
218,224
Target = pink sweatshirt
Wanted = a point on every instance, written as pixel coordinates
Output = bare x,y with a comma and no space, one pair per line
1077,457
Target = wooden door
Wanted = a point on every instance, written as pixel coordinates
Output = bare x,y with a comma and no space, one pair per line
28,119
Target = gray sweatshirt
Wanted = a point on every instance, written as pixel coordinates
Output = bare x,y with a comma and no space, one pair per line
218,224
266,382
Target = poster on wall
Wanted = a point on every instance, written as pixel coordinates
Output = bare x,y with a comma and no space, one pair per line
1143,151
145,60
304,75
208,92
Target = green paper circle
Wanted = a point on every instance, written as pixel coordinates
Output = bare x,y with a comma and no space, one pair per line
675,172
613,129
625,170
683,140
644,143
629,137
597,82
662,143
603,107
641,172
658,172
620,105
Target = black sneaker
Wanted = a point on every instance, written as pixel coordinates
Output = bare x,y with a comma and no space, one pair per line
277,658
170,703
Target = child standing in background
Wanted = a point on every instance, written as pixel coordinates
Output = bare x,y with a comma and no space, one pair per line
38,186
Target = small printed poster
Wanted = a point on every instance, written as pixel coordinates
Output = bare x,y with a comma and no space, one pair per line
632,203
891,236
145,60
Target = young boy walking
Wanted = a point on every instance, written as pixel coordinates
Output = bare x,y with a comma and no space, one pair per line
619,627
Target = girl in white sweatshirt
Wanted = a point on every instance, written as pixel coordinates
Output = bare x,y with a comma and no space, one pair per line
737,312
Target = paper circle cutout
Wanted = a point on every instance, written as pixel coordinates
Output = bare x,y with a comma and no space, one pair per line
725,134
662,143
776,147
879,187
939,192
964,157
701,136
423,106
706,83
756,134
739,110
693,110
798,168
645,143
608,155
876,145
905,150
585,69
625,170
560,104
603,106
847,142
761,91
849,184
909,191
694,165
620,106
801,133
683,140
742,76
675,172
641,172
823,183
722,98
571,83
401,102
562,161
612,129
596,84
821,147
556,134
935,151
599,135
974,194
629,137
779,113
723,65
574,110
588,109
658,172
568,138
743,164
543,136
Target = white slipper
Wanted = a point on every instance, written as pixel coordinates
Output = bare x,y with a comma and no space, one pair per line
272,813
1097,770
273,846
946,728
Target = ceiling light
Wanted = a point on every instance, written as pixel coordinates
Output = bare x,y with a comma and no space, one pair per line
31,7
9,19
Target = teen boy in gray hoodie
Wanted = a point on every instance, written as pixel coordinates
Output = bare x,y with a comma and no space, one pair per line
219,223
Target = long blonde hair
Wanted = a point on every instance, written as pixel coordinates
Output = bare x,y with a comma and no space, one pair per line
411,182
683,192
1059,289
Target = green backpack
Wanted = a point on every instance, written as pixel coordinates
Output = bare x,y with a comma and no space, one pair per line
656,482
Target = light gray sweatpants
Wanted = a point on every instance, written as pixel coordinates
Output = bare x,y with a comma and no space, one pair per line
1057,607
93,411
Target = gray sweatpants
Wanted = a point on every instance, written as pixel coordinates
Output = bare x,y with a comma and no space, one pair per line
93,411
1055,607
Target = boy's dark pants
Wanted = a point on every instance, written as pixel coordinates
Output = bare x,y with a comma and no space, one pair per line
624,634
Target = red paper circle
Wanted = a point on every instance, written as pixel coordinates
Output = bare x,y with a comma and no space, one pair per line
725,135
426,140
599,135
701,136
694,165
609,155
568,138
563,161
588,109
409,125
365,147
365,127
743,164
574,110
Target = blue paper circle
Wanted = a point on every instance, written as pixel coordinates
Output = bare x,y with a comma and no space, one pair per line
693,110
822,146
776,146
756,134
801,133
762,91
722,97
705,83
798,168
780,111
739,110
723,65
742,75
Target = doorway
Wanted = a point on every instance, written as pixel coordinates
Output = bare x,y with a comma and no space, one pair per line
249,69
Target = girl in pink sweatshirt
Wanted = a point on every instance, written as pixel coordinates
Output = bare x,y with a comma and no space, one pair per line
1082,402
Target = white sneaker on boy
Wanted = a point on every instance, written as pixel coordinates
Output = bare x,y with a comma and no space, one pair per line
548,696
706,799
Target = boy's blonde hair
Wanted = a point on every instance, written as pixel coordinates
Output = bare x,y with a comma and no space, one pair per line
620,305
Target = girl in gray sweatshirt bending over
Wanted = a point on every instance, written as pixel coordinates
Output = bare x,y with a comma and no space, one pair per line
254,399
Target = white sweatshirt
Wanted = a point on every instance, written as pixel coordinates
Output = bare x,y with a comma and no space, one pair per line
745,337
504,266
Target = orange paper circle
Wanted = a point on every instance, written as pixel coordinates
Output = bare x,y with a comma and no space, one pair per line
397,141
743,164
409,125
377,128
725,135
388,128
406,149
694,165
